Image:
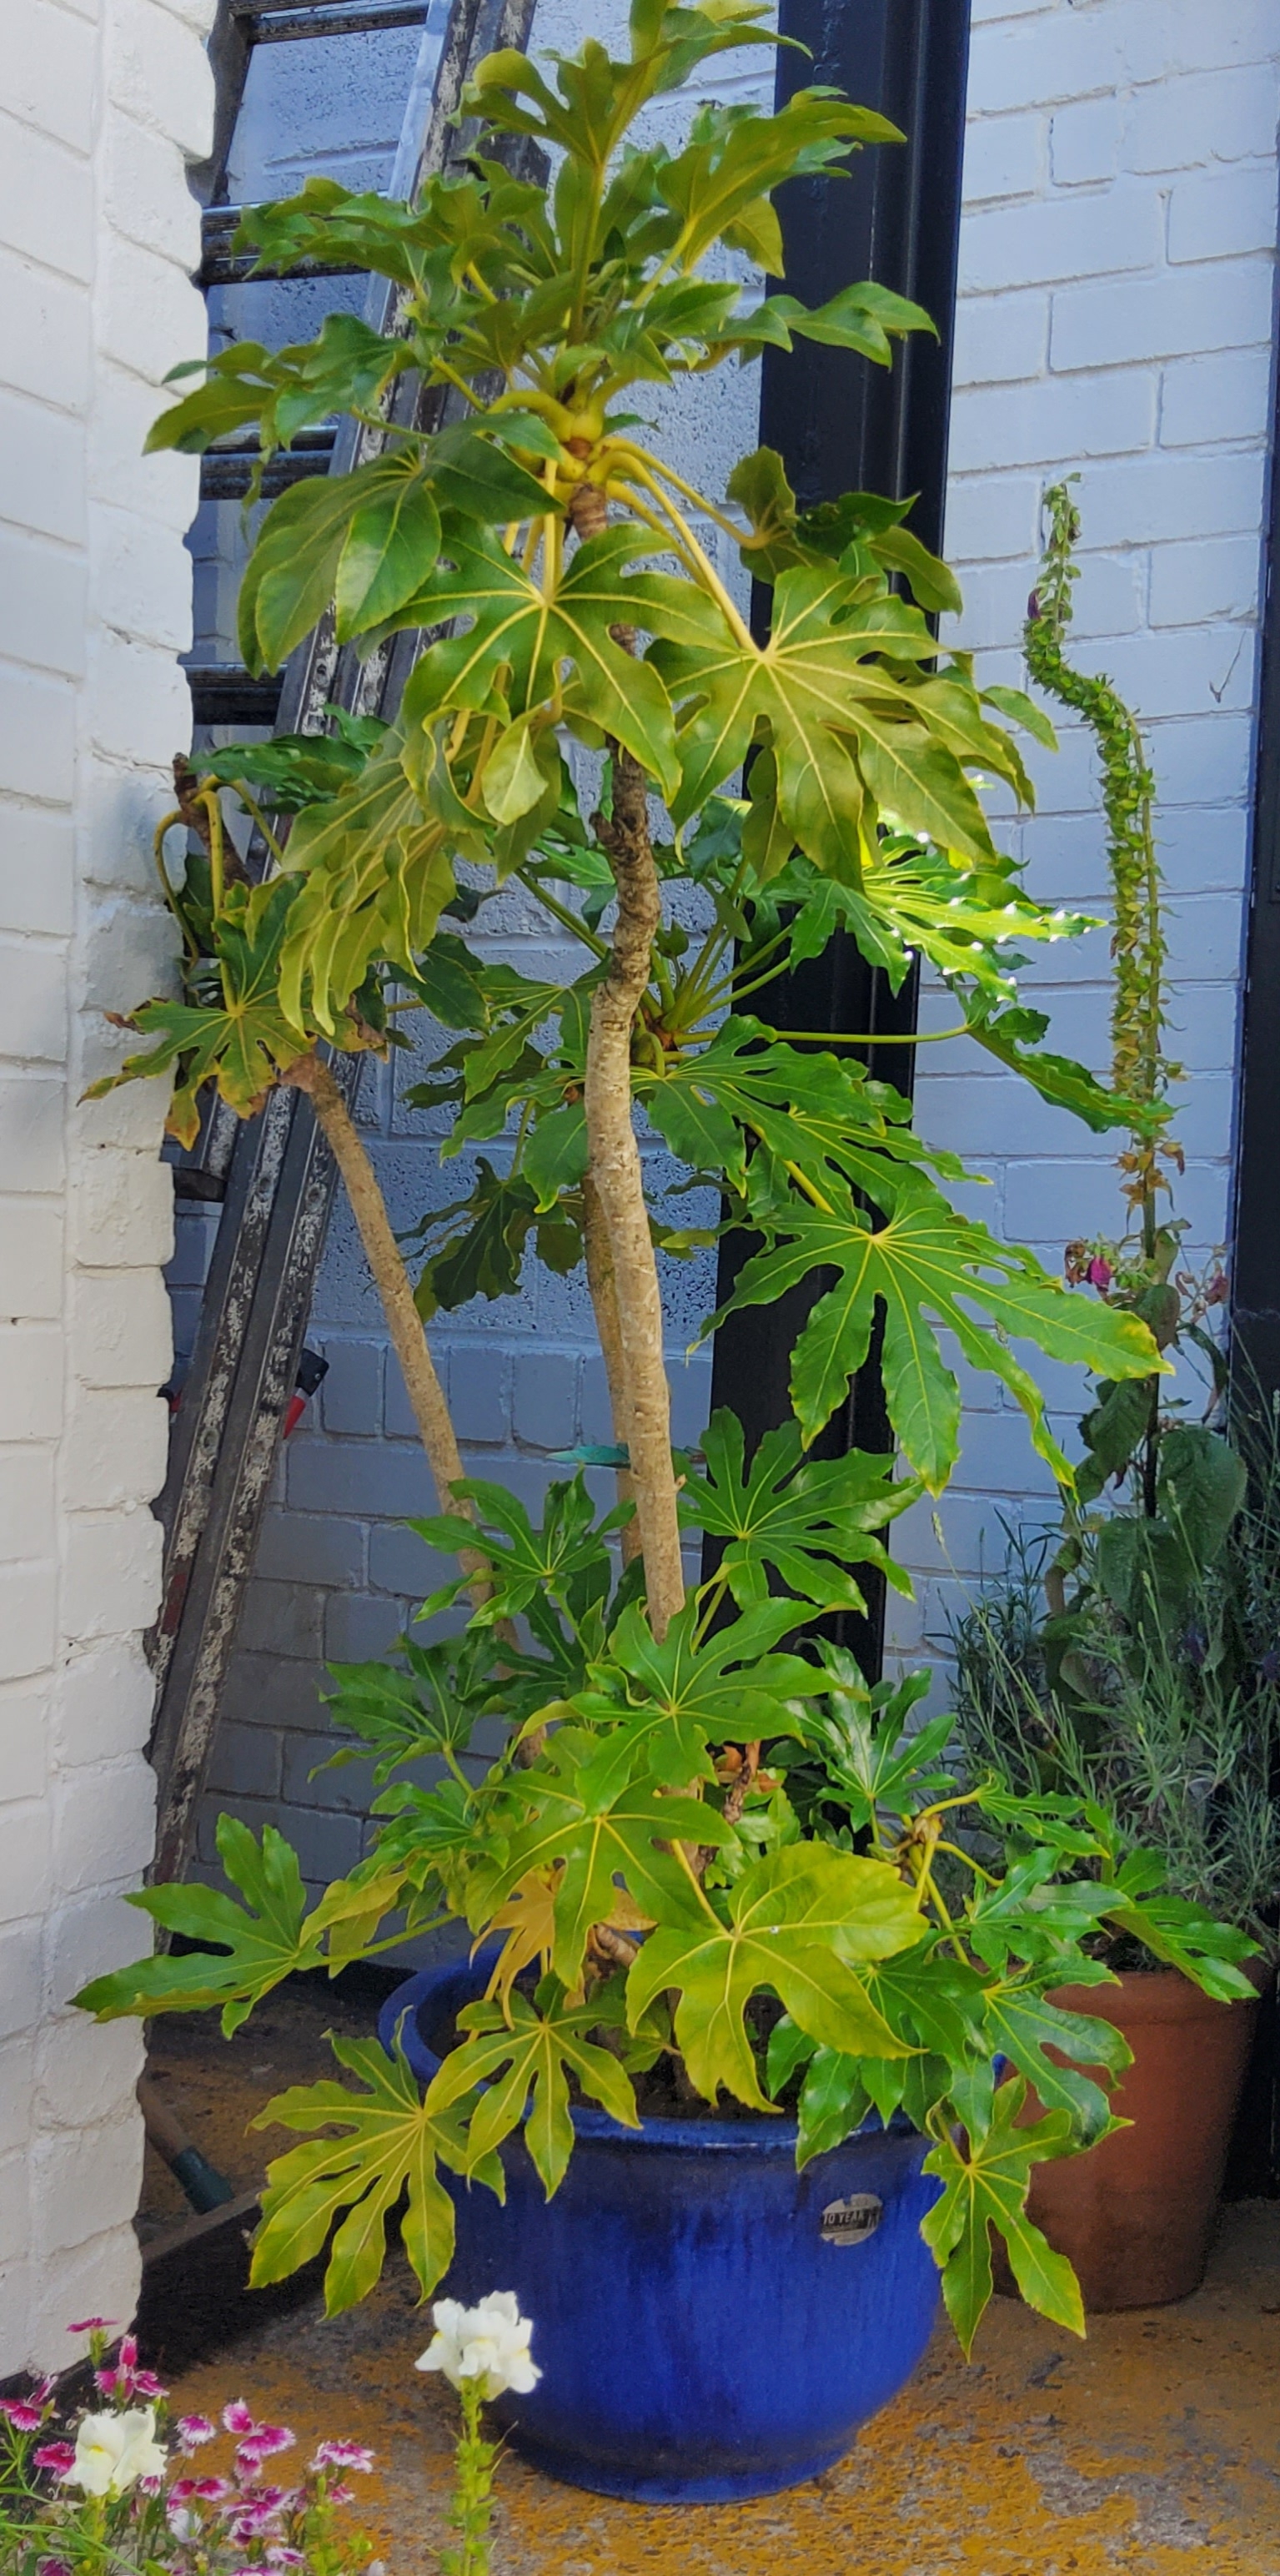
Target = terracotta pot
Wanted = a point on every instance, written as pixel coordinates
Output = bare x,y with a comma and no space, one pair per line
1135,2215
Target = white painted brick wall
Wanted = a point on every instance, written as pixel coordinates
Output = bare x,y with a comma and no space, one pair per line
1116,306
101,100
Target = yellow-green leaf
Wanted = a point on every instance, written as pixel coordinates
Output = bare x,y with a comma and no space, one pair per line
797,1919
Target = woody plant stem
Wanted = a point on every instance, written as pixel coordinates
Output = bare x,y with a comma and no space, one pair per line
391,1279
614,1173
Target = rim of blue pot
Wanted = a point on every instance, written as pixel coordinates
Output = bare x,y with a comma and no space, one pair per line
774,2135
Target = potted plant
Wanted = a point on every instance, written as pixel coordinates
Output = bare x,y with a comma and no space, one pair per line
1133,1666
714,1868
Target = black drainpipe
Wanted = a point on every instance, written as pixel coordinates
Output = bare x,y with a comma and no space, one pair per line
1254,2166
1256,1227
842,425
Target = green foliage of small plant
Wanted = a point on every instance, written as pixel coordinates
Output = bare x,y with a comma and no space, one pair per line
703,1831
1133,1663
1186,1484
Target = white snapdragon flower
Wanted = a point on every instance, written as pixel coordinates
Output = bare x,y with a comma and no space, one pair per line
489,2343
114,2451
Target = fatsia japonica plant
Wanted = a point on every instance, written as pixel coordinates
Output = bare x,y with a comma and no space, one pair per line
710,1856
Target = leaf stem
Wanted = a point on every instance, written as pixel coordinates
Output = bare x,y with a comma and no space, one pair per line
702,566
561,912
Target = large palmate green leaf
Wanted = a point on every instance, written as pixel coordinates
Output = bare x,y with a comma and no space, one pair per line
525,2057
369,874
805,1520
367,540
245,1033
252,1947
588,1813
427,1704
726,1686
850,737
720,184
391,2145
930,1267
797,1920
296,769
525,632
863,316
1022,2025
985,2177
874,1759
814,1112
347,367
595,100
485,1239
969,921
565,1558
933,2002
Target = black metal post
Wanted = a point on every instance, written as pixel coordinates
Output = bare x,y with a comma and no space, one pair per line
1256,1232
841,425
1254,2165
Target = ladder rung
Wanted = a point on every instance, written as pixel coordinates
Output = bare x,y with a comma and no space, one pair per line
226,472
221,266
275,22
224,693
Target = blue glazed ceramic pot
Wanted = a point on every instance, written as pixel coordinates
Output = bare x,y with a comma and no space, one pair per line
709,2323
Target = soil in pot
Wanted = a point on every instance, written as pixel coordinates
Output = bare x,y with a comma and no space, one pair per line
710,2323
1135,2216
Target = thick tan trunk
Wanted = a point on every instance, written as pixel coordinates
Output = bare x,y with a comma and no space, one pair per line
391,1279
604,1299
615,1170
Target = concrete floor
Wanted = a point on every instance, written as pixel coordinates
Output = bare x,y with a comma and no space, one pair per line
1152,2448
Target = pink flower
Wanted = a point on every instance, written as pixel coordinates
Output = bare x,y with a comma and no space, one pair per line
343,2455
210,2490
194,2430
58,2456
253,2521
54,2566
149,2486
280,2556
1099,1274
24,2415
92,2325
237,2417
146,2384
128,2353
262,2444
267,2438
342,2495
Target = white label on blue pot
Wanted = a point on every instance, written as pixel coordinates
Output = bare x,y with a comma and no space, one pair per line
851,2221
